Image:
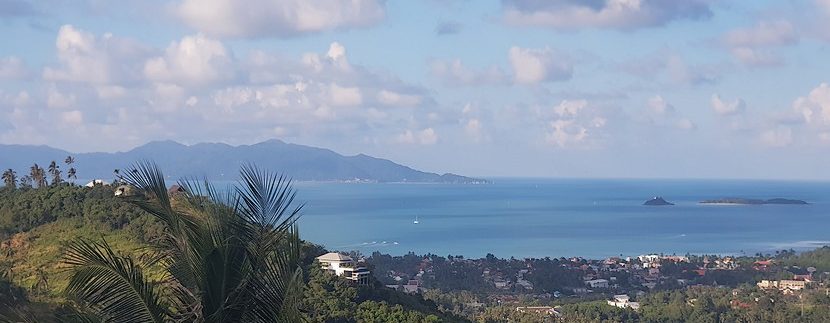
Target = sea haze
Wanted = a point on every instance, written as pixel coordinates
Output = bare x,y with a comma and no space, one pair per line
563,217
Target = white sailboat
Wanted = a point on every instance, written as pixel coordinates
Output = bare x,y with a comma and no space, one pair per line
416,220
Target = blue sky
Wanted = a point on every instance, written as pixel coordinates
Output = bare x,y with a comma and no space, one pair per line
558,88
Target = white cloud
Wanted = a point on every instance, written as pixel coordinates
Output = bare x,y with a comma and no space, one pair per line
671,66
56,99
685,124
724,108
473,129
565,133
765,33
90,59
392,98
614,14
110,91
659,106
531,66
575,123
266,18
193,60
681,72
454,72
12,68
426,136
756,57
148,91
662,113
815,107
752,46
778,137
74,118
345,96
570,108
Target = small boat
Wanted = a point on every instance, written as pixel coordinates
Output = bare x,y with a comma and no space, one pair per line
416,220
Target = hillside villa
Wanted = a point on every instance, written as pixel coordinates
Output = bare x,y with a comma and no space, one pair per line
344,266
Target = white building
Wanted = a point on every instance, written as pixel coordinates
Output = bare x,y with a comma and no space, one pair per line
343,265
623,301
95,182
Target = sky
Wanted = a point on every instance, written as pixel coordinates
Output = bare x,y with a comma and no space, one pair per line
531,88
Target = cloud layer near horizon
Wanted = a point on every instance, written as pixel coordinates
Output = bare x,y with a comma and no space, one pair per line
507,83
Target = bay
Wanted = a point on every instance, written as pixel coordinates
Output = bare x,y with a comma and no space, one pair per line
592,218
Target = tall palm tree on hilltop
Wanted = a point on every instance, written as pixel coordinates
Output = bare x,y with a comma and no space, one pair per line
228,257
55,171
71,173
10,178
38,176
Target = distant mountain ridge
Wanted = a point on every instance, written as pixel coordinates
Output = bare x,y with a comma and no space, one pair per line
218,161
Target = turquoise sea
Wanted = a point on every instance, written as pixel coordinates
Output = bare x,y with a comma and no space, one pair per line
563,217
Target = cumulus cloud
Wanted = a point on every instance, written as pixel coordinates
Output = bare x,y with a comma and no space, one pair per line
12,68
472,128
778,137
765,33
611,14
815,107
681,72
575,123
659,106
532,66
193,60
59,100
229,18
426,136
454,72
345,96
392,98
528,66
74,117
87,58
663,113
725,108
123,93
753,46
685,124
671,67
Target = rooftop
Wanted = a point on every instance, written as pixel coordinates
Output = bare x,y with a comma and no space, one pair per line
334,256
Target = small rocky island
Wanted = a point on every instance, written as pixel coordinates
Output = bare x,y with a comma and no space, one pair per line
657,201
742,201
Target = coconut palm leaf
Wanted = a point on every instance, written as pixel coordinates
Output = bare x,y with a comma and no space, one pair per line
266,198
112,285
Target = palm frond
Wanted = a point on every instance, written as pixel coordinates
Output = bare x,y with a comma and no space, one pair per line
266,198
112,285
275,289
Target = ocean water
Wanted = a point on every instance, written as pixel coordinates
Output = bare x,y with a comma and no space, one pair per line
563,217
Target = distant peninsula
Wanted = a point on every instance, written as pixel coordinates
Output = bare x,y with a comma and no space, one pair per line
743,201
657,201
218,161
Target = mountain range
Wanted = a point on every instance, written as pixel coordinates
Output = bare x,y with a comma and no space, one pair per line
217,161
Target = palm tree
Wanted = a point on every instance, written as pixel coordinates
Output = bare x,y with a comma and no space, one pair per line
26,181
38,176
10,178
228,257
71,174
55,171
